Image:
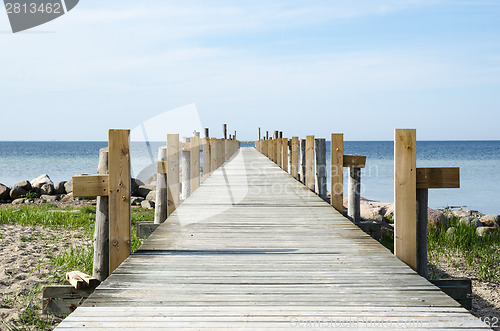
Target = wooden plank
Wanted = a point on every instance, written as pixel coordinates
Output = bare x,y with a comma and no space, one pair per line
438,178
295,157
354,161
90,185
337,171
173,191
89,280
310,163
405,188
206,158
284,164
63,299
75,280
195,163
119,197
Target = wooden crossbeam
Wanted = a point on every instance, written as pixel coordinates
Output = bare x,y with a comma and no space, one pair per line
438,178
162,167
91,186
354,161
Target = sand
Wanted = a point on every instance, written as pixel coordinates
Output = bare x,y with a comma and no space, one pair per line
25,266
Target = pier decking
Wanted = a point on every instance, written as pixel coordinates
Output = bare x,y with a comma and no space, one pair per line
253,248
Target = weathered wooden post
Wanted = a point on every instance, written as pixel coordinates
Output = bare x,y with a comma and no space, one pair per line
115,185
186,168
172,173
101,230
295,157
310,162
195,163
303,161
161,187
213,154
405,189
354,163
259,133
279,152
224,130
284,153
337,172
320,151
206,155
430,178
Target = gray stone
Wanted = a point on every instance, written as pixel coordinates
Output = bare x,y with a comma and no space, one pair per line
436,218
145,229
147,204
491,220
19,201
25,185
68,186
142,192
466,220
152,179
59,188
67,198
134,185
4,192
17,192
47,189
49,198
136,201
476,223
460,212
151,196
485,230
40,181
451,230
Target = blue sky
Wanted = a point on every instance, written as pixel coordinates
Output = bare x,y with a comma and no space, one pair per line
361,67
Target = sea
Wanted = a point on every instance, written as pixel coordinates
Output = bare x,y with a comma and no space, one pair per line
479,163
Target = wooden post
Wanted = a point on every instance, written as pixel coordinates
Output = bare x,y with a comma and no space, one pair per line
295,157
186,169
213,154
284,164
222,157
195,163
265,147
405,190
271,149
267,135
337,172
276,135
280,135
303,161
161,187
321,167
422,220
310,162
172,172
224,130
279,152
207,133
227,149
234,136
101,230
259,134
354,187
206,157
119,197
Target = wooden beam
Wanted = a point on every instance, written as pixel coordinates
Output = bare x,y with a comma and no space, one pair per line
91,186
320,149
337,172
100,268
354,161
206,158
161,187
195,163
310,162
295,157
173,191
119,197
284,164
438,178
405,191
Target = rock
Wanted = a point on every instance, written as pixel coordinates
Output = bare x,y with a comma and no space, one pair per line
491,220
136,201
59,188
25,185
49,198
369,209
151,196
147,204
40,181
133,185
4,192
17,192
142,191
152,180
68,186
466,220
476,223
460,212
436,218
47,189
19,201
451,231
67,198
484,231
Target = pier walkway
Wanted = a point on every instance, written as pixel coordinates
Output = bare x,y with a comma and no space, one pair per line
253,248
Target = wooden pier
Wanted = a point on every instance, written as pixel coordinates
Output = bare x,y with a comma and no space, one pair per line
253,248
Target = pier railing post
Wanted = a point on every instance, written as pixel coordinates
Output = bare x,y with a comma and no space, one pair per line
354,187
206,155
320,151
303,161
295,157
337,172
101,230
173,182
284,163
186,168
161,187
310,162
195,163
405,190
279,152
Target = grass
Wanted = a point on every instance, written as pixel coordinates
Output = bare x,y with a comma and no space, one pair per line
81,222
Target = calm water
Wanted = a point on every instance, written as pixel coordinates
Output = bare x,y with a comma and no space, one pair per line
479,163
